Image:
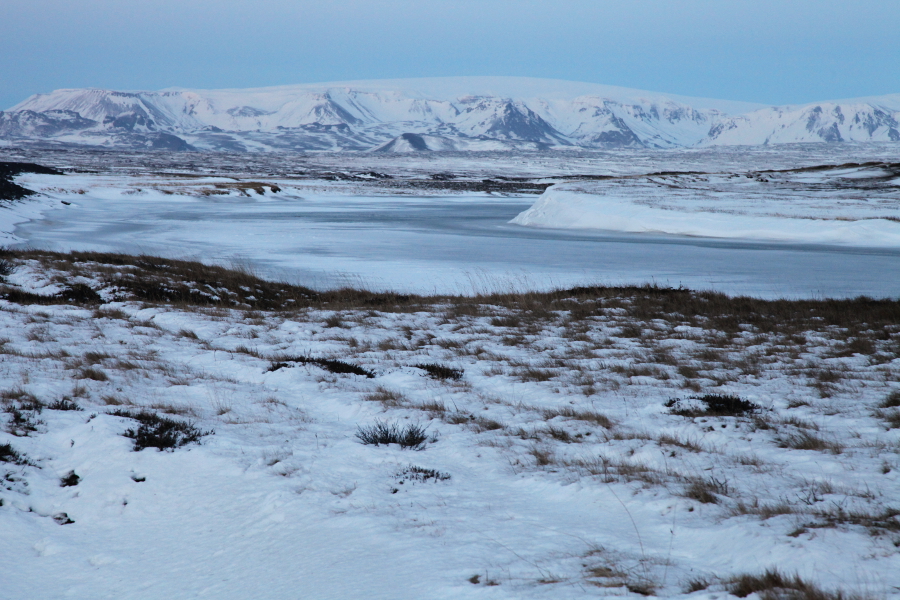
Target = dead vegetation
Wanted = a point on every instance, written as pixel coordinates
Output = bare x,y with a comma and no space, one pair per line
186,283
774,585
604,360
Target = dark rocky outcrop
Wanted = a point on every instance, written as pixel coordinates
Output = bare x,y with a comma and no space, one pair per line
8,170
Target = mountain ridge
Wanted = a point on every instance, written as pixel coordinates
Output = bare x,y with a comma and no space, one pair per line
454,113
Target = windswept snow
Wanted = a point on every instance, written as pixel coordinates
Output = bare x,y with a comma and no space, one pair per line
564,474
857,205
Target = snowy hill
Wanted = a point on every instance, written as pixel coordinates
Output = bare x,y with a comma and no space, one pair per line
860,120
458,113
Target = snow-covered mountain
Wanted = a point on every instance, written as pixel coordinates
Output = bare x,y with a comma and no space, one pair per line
858,120
474,113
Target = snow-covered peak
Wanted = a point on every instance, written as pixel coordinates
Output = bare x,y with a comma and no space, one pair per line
507,111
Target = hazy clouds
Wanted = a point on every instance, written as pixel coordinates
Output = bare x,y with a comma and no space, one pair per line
762,50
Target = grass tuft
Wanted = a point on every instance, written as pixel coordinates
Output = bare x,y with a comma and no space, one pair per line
411,435
421,474
773,585
807,440
436,371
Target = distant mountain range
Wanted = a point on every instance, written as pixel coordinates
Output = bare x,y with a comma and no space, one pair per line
416,115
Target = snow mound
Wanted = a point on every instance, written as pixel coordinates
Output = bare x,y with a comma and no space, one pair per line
804,205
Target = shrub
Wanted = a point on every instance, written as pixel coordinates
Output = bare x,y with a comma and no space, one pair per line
711,405
22,409
22,422
64,404
421,474
159,432
437,371
409,436
81,294
8,454
332,366
6,268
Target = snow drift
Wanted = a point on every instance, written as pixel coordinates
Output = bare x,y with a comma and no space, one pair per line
803,205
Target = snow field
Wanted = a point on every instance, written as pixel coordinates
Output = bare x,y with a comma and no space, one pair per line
857,206
569,476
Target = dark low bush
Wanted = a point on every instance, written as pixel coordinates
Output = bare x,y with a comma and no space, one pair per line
64,404
6,268
711,405
159,432
409,436
331,365
8,454
437,371
80,293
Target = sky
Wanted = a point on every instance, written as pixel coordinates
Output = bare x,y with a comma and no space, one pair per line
771,52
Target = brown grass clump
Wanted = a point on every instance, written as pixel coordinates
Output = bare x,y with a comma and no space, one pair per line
806,440
774,585
706,490
387,397
590,416
92,374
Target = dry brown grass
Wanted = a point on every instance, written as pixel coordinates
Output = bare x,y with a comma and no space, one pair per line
763,510
706,490
666,439
388,398
155,279
773,585
611,470
806,440
92,374
589,416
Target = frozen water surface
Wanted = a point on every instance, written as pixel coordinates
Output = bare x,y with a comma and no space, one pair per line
449,244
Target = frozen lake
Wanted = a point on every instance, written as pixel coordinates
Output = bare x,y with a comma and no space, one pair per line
448,244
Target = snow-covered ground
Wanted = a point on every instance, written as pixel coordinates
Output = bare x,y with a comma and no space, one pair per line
858,206
568,460
561,472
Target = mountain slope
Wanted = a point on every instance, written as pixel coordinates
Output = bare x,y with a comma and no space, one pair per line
464,112
861,120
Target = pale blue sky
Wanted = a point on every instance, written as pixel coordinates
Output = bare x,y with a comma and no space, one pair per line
774,52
